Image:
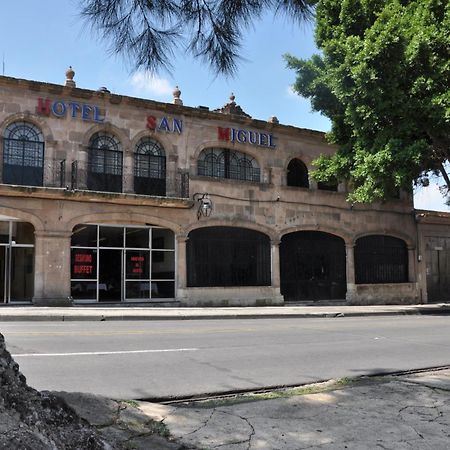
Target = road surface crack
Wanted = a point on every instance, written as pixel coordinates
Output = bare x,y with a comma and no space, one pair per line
204,424
249,439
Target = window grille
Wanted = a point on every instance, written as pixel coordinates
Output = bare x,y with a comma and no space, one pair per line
244,257
105,163
381,259
149,168
23,155
224,163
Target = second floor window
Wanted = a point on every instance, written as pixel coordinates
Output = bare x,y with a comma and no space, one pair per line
149,168
23,155
104,163
225,163
297,174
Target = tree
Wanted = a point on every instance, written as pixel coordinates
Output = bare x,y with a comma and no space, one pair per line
149,32
383,80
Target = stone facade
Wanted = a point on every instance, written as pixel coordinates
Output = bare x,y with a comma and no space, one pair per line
262,202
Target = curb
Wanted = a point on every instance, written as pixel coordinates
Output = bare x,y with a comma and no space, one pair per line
131,317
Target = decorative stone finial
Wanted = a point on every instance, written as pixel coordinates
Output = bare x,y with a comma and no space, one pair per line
103,90
176,96
70,73
232,108
273,119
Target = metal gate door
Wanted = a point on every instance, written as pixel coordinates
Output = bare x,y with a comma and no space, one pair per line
312,266
438,269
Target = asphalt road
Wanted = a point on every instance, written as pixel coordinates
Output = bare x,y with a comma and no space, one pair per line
155,359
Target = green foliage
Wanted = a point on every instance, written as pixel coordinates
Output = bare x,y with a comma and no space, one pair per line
383,80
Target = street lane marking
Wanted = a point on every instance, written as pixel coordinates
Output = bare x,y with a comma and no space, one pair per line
131,332
122,352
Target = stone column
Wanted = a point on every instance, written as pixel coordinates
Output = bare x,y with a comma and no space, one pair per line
350,271
181,264
411,265
275,267
51,165
172,175
52,268
128,173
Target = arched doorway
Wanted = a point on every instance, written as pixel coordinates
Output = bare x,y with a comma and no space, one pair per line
228,257
16,261
312,266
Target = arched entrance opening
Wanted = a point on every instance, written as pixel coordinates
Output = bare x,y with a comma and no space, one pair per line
113,263
312,266
227,257
16,261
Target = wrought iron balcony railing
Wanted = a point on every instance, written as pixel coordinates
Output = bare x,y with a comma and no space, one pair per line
148,177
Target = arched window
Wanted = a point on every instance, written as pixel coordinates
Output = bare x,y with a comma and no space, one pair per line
149,168
381,259
23,155
105,163
244,257
297,174
224,163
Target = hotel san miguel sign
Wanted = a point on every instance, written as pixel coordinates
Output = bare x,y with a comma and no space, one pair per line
92,113
246,137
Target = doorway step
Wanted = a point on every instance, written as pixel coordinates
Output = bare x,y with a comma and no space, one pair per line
336,302
163,304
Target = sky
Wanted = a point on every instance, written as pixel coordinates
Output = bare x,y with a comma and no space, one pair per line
40,39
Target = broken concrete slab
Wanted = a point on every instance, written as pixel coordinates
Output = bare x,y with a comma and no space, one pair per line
385,412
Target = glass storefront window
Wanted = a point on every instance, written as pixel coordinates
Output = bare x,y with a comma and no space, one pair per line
137,264
84,290
163,289
16,261
83,263
162,239
22,233
111,237
163,264
22,273
4,232
118,263
138,290
84,236
136,237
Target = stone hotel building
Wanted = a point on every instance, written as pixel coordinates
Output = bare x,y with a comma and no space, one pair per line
106,198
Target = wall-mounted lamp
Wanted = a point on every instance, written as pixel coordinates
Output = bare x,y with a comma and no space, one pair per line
205,205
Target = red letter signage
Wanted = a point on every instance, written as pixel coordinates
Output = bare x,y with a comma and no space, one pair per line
223,134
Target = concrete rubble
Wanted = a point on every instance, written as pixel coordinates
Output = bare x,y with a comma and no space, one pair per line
38,421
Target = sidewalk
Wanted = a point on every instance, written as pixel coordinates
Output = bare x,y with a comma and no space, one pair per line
393,412
102,313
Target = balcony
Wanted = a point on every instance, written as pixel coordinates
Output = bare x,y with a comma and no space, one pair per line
147,178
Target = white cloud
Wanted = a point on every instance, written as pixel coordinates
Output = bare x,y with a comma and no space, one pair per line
430,198
143,82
